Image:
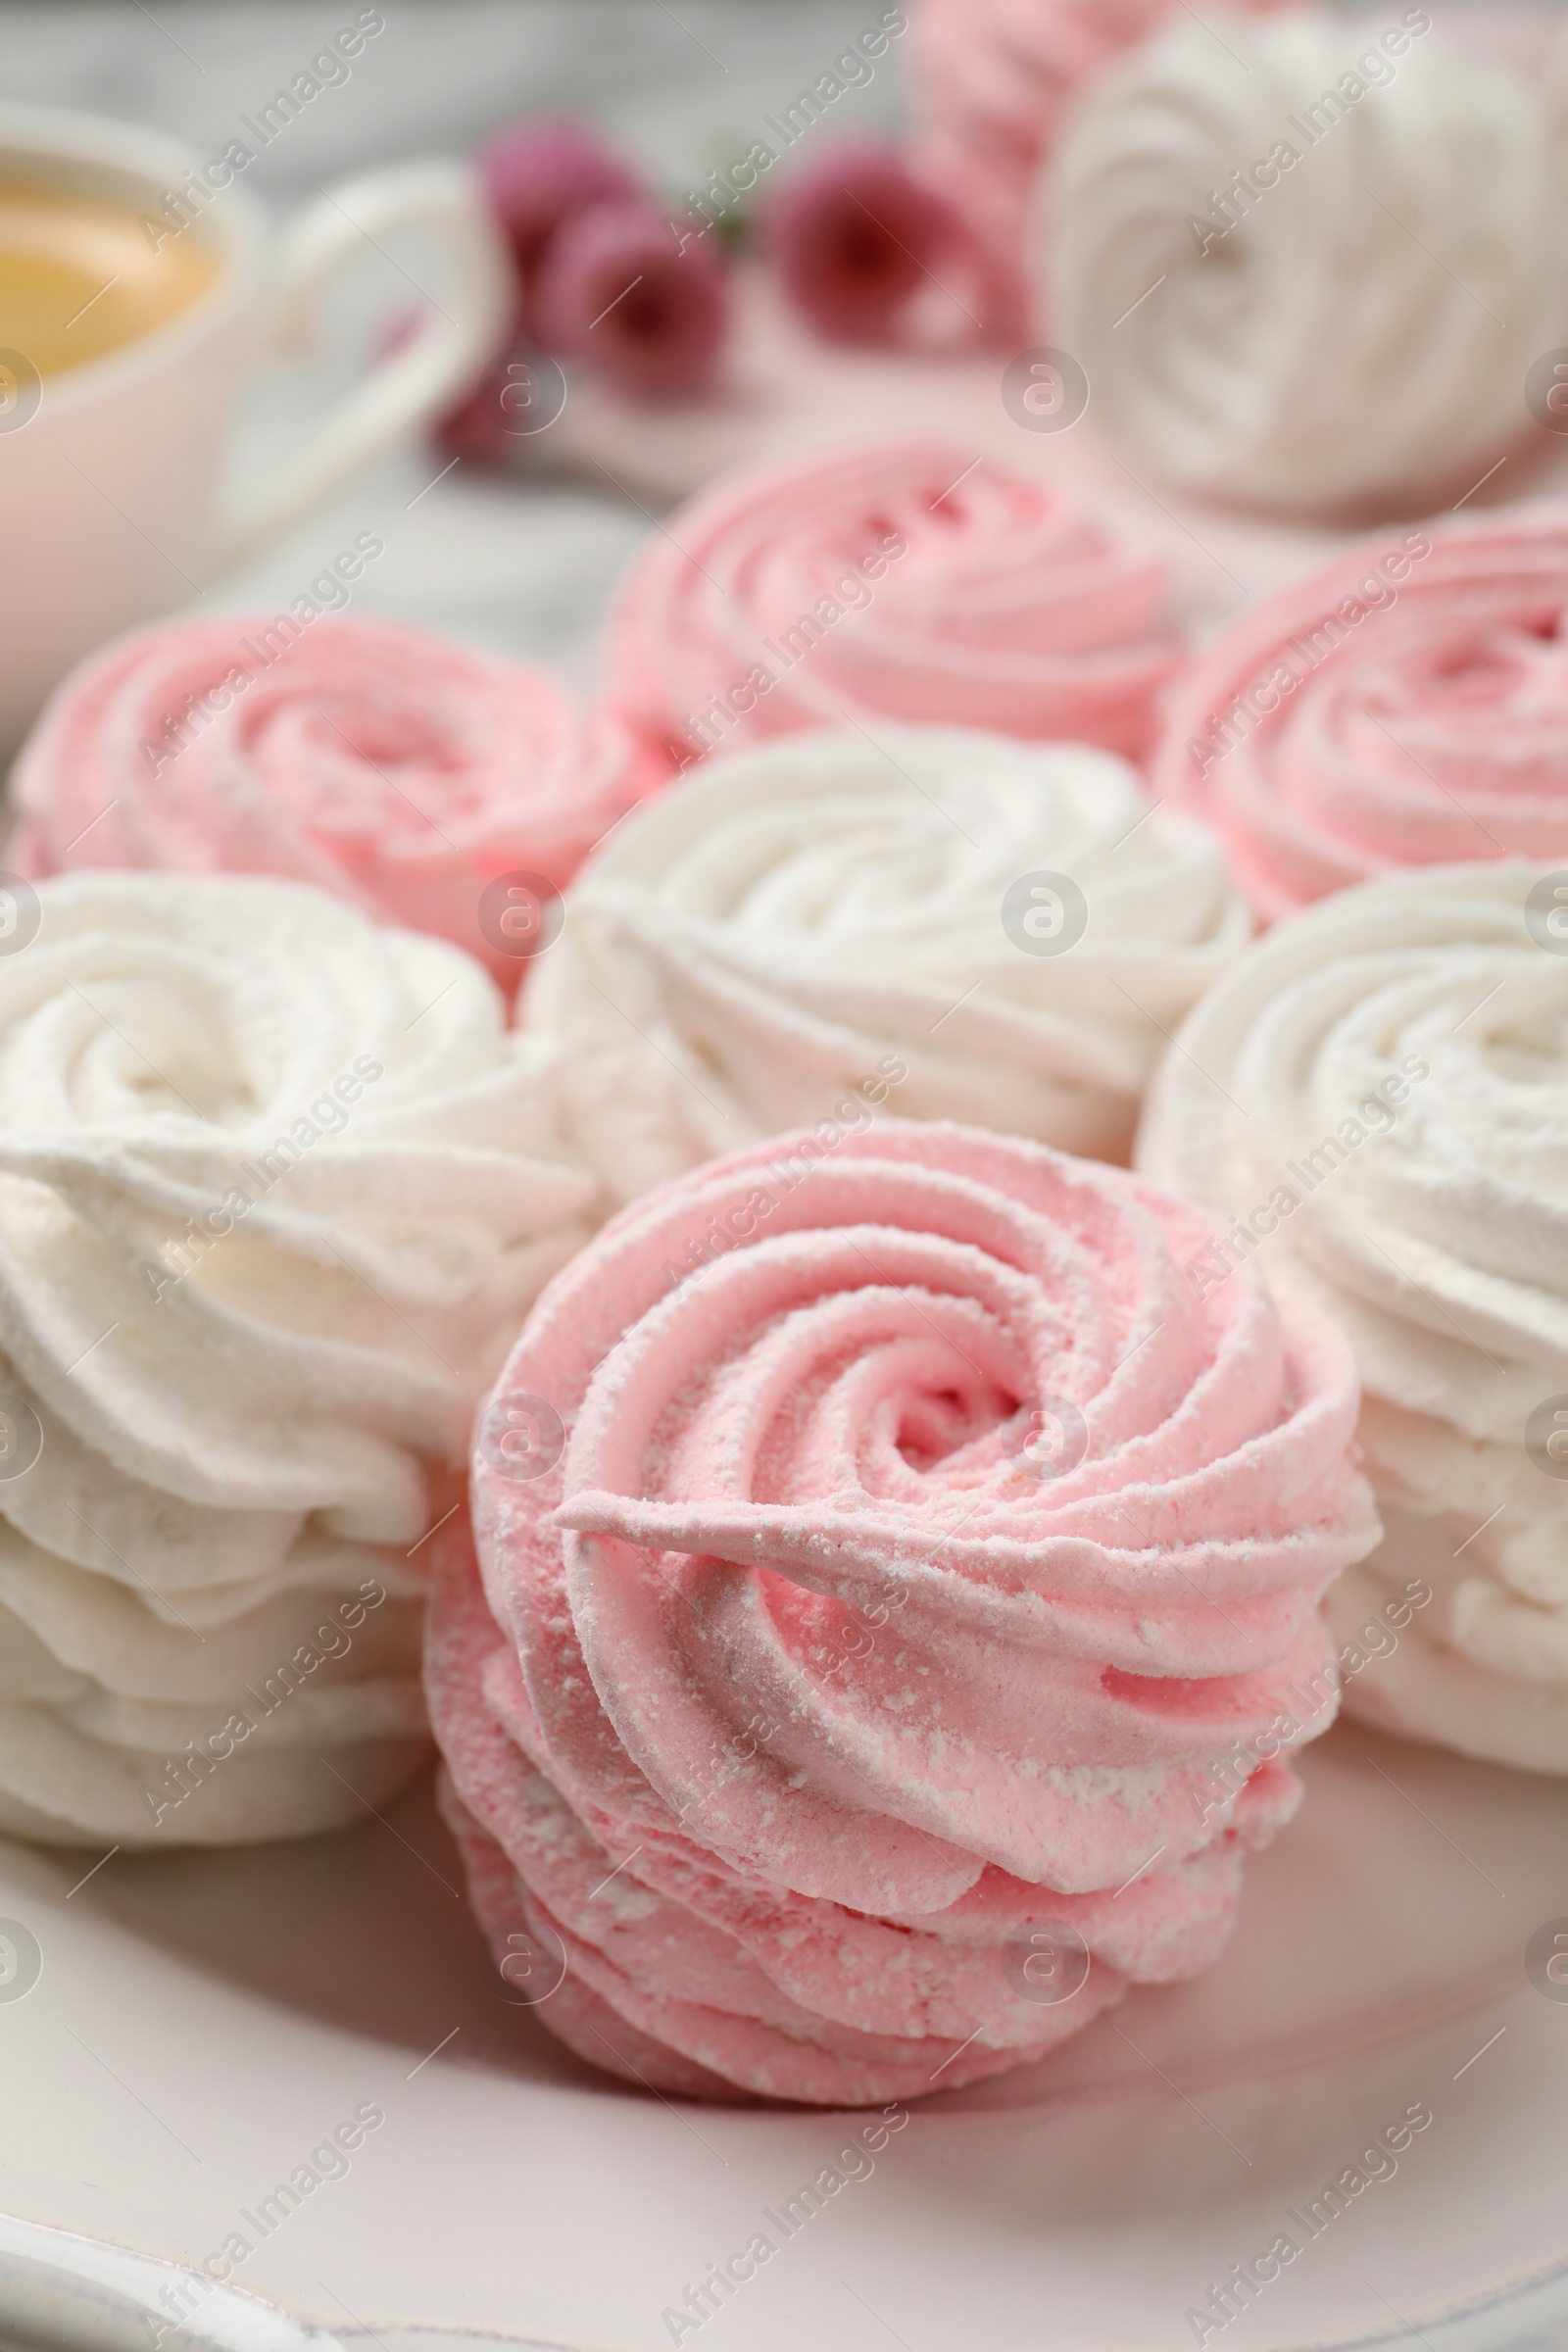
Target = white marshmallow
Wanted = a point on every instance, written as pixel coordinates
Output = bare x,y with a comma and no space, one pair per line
813,928
1383,1081
276,1190
1364,327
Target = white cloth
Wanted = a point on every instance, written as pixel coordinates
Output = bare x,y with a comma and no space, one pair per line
816,926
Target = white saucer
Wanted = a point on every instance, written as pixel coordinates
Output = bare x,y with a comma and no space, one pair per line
201,2023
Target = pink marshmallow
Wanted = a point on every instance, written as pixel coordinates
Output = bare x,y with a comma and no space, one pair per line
994,82
386,765
1406,706
897,580
806,1677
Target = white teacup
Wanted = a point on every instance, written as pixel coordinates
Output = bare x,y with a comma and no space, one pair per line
109,470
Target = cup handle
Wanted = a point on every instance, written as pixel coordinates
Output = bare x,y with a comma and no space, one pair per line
408,384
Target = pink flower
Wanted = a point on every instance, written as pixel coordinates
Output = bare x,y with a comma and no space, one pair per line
853,240
648,307
503,420
542,173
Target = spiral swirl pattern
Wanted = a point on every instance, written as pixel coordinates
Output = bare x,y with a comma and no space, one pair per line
794,929
906,1568
1377,1098
388,765
994,82
1211,203
888,582
1406,706
276,1186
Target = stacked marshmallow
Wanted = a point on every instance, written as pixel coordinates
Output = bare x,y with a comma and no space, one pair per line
880,1596
1406,705
893,581
802,932
993,83
275,1187
1306,270
394,768
1377,1097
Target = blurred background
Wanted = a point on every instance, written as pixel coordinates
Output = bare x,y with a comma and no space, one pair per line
521,565
521,558
677,88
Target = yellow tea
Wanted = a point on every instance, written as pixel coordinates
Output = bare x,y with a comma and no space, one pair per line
78,275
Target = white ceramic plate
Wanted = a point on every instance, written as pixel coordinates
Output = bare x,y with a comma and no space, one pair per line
200,2023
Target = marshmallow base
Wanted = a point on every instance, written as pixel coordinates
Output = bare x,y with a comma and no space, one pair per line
710,1982
126,1720
1427,1689
101,1791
